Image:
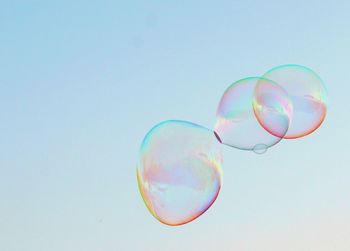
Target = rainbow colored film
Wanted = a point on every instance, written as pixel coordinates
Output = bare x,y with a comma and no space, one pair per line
307,94
237,124
179,173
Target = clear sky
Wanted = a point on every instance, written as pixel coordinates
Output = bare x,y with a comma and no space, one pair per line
81,83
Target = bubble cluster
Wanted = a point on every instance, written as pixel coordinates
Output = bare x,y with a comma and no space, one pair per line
179,171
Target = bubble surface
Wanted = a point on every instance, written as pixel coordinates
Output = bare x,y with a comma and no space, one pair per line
237,124
179,172
307,94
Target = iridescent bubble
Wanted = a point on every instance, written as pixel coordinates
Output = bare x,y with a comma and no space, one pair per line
179,172
307,94
237,124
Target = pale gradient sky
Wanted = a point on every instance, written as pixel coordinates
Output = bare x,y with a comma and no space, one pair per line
81,83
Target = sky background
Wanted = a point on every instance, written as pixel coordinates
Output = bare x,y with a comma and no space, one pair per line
82,82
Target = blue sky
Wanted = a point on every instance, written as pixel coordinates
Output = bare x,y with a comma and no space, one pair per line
81,83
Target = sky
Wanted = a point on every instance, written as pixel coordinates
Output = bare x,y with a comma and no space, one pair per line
82,82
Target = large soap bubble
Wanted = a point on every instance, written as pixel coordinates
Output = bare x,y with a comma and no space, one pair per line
307,94
237,124
179,172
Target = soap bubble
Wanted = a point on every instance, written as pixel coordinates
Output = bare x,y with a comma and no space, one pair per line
179,172
260,148
307,94
237,124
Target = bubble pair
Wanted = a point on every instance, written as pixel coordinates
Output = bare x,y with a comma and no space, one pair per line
255,113
180,167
